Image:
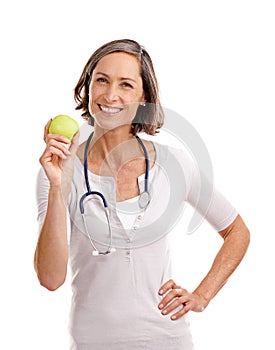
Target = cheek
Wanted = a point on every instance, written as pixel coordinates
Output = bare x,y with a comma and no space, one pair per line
93,95
96,91
93,108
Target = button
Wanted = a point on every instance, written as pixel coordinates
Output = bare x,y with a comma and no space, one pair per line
127,252
135,228
128,240
139,217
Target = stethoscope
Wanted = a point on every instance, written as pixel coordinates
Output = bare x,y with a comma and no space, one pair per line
144,197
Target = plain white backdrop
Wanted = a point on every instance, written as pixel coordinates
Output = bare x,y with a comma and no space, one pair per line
215,65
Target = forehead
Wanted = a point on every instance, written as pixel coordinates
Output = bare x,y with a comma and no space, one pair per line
120,63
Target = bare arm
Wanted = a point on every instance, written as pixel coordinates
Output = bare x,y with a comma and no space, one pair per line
51,254
236,240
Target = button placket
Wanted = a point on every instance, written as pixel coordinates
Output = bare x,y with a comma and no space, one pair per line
136,223
128,249
133,231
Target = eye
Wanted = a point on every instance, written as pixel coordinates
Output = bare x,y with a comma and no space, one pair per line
127,85
101,80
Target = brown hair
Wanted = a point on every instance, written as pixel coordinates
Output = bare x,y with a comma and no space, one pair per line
149,117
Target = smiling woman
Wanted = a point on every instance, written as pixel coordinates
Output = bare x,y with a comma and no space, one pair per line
149,116
108,205
116,90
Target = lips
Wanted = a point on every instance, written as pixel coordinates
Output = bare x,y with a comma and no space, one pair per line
110,110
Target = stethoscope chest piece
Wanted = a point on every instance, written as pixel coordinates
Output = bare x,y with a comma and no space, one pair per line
144,200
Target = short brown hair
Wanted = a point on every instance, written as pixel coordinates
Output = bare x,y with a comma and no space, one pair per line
150,117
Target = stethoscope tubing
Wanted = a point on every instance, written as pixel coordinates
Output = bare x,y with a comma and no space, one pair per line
147,164
105,203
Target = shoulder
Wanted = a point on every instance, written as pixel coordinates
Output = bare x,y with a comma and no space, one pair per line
179,155
164,152
149,145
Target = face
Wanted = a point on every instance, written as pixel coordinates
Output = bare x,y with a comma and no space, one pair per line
116,90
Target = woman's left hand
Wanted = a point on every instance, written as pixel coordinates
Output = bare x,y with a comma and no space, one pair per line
174,296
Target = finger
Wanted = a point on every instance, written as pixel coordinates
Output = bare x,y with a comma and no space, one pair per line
75,139
188,305
185,308
49,158
54,148
59,152
52,152
167,286
46,130
173,305
53,142
56,141
59,138
74,142
174,293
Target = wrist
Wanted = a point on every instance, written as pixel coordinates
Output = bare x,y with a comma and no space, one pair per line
205,299
55,188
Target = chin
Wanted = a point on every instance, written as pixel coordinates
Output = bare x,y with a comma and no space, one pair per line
112,122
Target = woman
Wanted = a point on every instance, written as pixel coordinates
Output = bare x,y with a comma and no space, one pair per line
124,296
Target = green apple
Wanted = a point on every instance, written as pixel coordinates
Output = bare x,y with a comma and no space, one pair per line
64,125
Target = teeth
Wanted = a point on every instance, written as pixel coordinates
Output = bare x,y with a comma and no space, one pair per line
111,110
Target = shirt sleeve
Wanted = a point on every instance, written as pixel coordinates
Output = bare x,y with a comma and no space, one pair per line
204,197
42,191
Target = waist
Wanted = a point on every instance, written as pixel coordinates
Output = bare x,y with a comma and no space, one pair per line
111,323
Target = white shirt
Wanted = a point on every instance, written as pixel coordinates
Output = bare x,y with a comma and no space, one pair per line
115,297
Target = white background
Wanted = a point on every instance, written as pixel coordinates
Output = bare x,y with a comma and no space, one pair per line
215,65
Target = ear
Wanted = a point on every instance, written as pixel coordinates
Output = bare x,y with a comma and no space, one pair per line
143,102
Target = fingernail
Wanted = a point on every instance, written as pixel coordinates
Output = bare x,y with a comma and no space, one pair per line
164,312
173,317
161,306
161,291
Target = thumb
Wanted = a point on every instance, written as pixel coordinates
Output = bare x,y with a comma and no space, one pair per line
74,143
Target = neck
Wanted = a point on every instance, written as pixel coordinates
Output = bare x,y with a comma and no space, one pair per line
113,148
105,141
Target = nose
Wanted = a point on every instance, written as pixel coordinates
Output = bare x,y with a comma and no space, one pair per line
111,93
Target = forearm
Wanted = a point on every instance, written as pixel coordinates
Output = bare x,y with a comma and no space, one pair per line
51,255
236,241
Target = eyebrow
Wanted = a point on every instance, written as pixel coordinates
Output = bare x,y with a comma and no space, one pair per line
122,78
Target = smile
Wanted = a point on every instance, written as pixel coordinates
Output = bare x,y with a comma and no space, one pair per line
110,110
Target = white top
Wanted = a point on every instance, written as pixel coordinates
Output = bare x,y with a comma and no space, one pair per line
115,297
127,218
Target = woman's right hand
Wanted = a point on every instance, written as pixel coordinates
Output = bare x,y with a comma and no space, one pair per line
57,159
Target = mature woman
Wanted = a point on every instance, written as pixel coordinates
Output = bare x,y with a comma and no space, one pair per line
102,206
